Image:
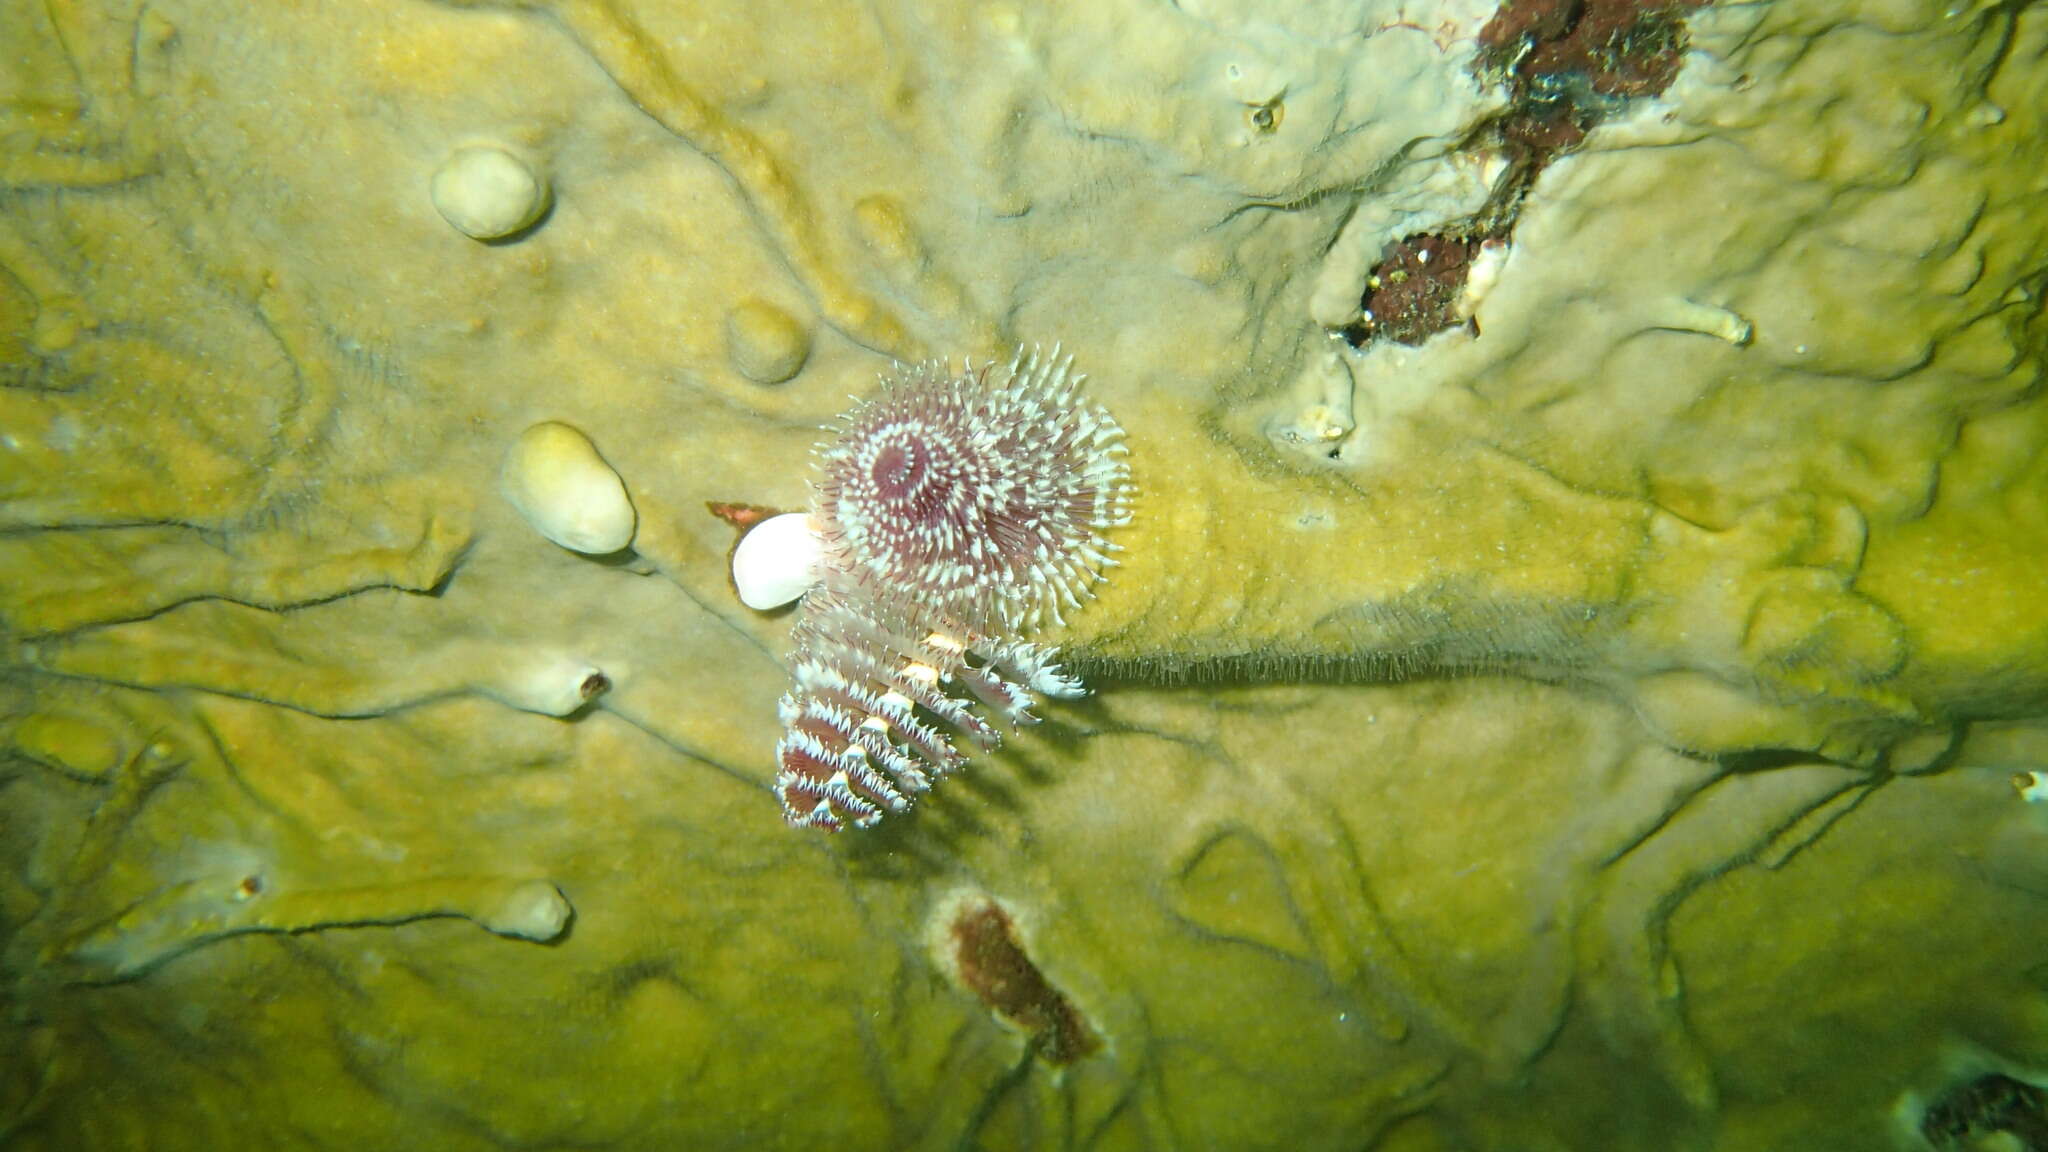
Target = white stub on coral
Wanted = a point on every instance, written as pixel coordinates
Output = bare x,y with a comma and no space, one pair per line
2032,787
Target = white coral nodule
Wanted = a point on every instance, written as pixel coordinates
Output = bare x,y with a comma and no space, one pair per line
952,513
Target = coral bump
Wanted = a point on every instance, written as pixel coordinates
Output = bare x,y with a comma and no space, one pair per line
956,511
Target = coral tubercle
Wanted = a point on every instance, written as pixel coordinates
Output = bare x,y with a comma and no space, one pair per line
953,512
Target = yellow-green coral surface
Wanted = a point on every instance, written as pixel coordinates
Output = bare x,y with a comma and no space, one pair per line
1594,728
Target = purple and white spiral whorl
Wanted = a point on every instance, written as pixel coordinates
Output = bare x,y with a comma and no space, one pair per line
954,511
982,493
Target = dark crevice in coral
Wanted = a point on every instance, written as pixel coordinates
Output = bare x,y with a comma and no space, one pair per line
1969,1114
994,966
1567,65
1768,759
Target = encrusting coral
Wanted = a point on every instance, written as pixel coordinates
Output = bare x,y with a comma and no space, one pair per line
1615,672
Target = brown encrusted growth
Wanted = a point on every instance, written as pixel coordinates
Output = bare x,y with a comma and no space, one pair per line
1412,293
1567,65
740,516
1613,47
988,959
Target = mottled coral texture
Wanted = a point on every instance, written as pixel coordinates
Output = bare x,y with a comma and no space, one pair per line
1587,724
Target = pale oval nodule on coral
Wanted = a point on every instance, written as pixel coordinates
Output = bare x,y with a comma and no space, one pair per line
535,910
778,561
558,481
487,193
766,344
